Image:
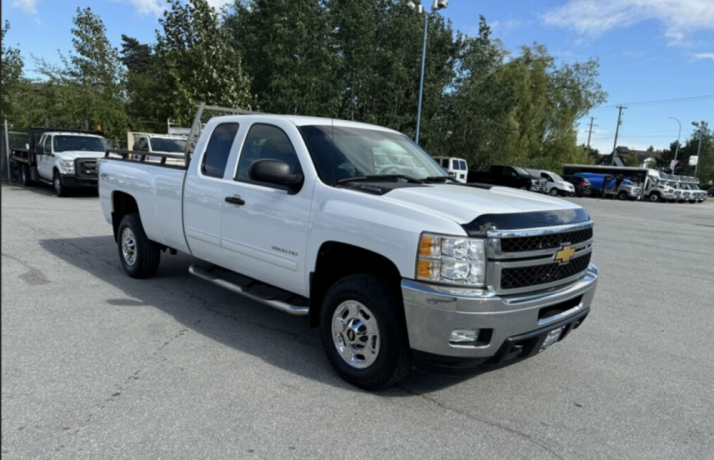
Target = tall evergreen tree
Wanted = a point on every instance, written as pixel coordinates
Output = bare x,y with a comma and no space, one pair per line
12,66
196,63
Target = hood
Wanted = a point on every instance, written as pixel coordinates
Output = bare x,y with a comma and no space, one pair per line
74,154
462,203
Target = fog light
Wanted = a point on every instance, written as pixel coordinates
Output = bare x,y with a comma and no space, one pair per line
464,337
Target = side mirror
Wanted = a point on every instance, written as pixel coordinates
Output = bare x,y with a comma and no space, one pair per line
275,172
39,150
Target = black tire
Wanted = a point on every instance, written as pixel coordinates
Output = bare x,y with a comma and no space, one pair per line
393,359
554,192
139,255
59,187
25,176
654,197
622,195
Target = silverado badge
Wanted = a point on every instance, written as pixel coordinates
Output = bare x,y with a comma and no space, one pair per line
563,256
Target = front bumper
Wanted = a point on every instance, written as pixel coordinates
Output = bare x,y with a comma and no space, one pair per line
433,312
539,188
75,181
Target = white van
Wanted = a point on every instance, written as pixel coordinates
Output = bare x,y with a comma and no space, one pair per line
556,184
456,167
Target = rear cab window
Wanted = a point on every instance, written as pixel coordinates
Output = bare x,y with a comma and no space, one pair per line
215,158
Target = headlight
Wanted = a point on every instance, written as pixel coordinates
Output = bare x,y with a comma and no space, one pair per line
452,260
67,165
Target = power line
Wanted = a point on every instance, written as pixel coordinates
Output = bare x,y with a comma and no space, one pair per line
661,101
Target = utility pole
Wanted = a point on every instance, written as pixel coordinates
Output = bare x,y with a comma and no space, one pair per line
590,133
617,131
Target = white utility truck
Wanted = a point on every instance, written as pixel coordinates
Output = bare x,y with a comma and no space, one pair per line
396,268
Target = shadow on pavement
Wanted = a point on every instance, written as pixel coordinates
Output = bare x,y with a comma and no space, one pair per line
47,190
205,309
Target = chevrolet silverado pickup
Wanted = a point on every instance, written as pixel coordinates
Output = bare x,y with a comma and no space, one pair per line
395,267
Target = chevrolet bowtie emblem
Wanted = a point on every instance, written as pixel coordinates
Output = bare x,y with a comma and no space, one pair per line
563,256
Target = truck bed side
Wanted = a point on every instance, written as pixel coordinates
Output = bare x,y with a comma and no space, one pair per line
157,197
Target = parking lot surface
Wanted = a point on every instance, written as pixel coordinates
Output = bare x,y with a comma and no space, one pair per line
98,365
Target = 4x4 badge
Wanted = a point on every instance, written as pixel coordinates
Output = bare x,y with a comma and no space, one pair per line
564,254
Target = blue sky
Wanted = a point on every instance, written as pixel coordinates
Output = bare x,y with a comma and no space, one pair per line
656,56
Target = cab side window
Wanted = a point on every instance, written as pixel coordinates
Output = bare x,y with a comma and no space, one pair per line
219,148
266,142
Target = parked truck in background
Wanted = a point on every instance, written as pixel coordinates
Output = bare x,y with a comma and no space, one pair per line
509,176
393,268
65,159
159,143
652,184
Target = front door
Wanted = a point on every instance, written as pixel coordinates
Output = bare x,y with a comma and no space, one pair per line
45,161
263,227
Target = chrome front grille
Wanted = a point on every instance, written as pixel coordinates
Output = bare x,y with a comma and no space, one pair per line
522,261
531,243
518,277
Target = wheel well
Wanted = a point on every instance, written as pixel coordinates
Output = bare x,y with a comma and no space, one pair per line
122,204
337,260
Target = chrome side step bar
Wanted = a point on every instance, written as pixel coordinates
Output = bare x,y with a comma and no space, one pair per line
277,304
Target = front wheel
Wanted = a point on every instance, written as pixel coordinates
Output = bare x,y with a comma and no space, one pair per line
60,189
139,255
654,197
622,195
364,332
554,192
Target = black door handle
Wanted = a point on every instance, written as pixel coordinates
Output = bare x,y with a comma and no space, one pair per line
235,200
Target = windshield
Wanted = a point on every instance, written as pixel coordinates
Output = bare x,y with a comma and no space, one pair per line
556,177
694,187
83,143
341,153
521,171
159,144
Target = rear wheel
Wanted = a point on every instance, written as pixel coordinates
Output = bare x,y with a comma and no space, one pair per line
25,175
60,189
364,332
139,255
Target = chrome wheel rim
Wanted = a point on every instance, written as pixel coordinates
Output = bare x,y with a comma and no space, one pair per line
128,247
58,184
355,334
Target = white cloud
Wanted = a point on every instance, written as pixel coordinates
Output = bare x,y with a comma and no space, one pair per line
704,56
507,25
157,7
593,18
28,6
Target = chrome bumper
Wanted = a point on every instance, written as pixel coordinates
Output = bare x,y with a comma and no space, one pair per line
433,312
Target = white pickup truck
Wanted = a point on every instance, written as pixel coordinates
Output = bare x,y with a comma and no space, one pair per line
395,269
65,159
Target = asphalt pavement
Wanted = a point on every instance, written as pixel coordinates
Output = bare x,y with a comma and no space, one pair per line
97,365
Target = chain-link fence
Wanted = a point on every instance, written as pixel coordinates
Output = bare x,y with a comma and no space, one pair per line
11,140
205,113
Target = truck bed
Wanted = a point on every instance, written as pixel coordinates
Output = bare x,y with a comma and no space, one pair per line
157,195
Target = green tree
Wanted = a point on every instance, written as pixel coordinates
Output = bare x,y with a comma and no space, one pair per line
87,89
141,85
195,63
551,99
12,66
289,51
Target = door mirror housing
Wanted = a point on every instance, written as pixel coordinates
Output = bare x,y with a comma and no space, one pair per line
275,172
39,150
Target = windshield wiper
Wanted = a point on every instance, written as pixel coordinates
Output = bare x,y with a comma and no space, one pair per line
437,179
381,178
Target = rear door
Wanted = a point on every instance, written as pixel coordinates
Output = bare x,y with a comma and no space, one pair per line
203,193
264,227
